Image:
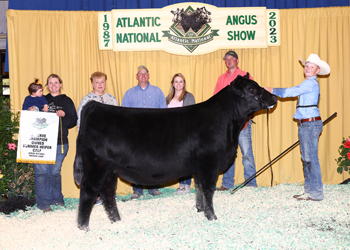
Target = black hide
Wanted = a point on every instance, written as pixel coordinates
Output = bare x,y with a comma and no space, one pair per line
15,203
155,146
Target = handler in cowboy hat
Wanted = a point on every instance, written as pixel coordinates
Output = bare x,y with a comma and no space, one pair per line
310,124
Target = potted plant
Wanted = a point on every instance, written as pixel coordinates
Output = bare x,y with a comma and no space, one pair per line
343,160
16,179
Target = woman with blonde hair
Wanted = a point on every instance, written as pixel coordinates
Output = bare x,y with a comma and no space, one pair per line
179,97
47,177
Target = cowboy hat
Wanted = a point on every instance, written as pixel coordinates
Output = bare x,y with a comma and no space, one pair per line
315,59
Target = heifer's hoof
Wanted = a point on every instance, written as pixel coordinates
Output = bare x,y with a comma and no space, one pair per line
113,214
115,219
85,228
211,217
199,209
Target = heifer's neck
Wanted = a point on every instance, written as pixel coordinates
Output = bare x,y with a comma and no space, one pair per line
246,109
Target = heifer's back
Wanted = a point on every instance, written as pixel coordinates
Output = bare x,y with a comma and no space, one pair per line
151,146
154,146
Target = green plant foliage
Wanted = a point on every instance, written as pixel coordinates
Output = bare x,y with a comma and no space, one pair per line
343,160
15,178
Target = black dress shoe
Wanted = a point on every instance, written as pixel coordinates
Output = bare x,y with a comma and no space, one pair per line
222,188
47,210
310,199
297,196
307,199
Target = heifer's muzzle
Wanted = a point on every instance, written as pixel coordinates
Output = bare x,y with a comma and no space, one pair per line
266,99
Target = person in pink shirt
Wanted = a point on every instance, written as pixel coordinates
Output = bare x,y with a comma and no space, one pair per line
245,137
180,97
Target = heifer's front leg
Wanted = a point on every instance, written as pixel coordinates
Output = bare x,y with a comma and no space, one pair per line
208,204
107,194
199,195
206,182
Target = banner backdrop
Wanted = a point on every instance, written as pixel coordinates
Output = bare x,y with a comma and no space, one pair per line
188,29
37,141
65,43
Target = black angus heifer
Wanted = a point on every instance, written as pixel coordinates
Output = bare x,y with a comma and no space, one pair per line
155,146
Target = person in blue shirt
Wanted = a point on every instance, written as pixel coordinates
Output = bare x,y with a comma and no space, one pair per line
35,101
144,95
310,124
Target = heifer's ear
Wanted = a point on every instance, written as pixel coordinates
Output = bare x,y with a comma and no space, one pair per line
247,75
238,87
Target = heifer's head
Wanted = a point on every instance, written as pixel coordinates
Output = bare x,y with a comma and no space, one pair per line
255,97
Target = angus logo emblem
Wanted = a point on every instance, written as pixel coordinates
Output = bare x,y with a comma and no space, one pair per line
190,28
40,123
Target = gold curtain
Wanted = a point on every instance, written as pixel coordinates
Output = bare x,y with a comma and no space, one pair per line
65,43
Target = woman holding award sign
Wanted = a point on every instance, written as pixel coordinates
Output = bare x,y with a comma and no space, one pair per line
47,177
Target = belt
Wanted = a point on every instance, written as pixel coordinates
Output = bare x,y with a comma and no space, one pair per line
310,119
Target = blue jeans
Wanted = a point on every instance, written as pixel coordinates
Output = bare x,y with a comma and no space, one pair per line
47,181
309,132
185,182
245,143
139,189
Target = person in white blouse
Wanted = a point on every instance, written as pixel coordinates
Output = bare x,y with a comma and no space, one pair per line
179,97
98,94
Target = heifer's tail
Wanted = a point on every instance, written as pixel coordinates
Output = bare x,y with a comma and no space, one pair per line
78,163
78,169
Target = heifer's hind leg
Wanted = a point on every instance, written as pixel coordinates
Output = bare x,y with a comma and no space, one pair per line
86,201
107,194
92,181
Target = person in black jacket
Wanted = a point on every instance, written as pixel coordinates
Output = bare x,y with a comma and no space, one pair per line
47,177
